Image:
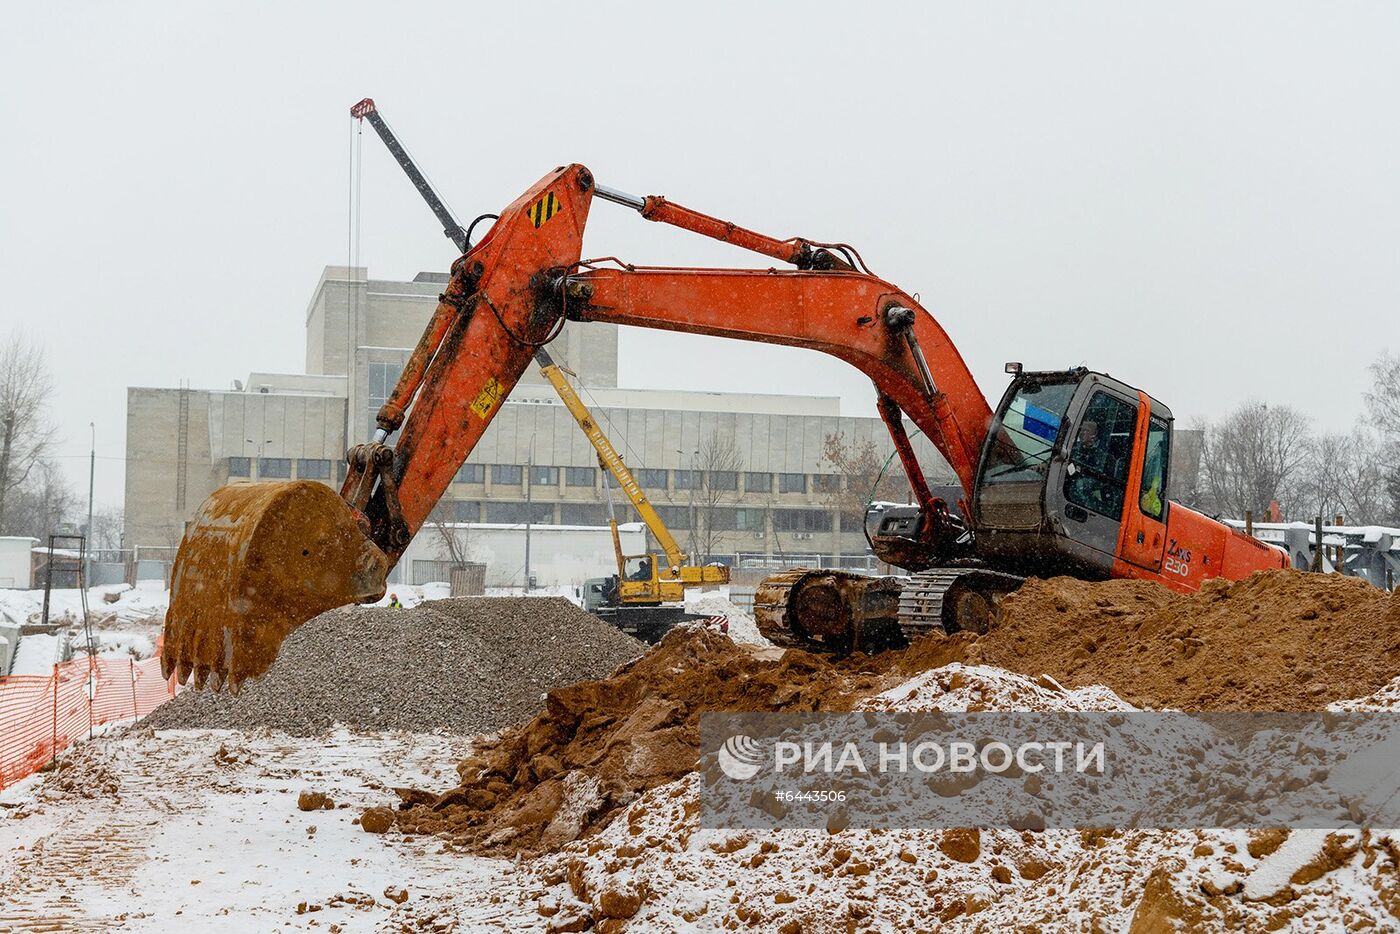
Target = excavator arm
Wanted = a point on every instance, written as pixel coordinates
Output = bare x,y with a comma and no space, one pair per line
239,584
510,295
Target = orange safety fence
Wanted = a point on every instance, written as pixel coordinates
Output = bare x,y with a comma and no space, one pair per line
41,715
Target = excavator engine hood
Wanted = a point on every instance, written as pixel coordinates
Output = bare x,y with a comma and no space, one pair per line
257,561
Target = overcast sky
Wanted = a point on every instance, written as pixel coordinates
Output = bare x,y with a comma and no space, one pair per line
1201,199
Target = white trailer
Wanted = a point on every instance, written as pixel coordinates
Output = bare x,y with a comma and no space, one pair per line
16,563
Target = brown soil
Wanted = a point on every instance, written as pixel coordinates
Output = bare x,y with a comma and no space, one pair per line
598,744
1279,640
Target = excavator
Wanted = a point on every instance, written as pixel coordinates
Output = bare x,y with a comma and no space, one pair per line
641,599
1069,474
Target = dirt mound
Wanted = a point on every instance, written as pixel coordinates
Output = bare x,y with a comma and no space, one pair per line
470,665
684,878
599,744
1279,640
678,877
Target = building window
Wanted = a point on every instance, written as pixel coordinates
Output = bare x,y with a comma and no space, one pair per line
274,468
677,517
724,479
544,476
310,469
722,520
687,479
650,478
538,513
758,483
505,473
466,511
748,520
470,473
826,482
383,377
240,467
580,476
582,514
801,520
792,483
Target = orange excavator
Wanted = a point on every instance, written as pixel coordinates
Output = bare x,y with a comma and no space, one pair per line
1069,474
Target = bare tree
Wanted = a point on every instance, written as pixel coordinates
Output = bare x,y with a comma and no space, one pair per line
722,466
1383,405
25,433
1255,455
106,531
1383,400
865,475
43,504
454,540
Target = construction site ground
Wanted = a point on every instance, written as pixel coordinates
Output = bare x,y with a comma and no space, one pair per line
200,830
583,815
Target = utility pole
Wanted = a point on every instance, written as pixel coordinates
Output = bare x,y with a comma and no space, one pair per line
529,507
87,540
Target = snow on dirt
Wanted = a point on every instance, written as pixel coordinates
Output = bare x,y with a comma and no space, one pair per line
145,602
201,830
125,621
36,655
716,602
655,867
153,831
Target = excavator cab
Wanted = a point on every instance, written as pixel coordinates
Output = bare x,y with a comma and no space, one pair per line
1073,476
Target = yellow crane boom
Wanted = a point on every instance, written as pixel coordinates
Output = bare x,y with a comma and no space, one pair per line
609,457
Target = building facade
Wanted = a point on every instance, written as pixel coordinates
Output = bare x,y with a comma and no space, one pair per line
730,473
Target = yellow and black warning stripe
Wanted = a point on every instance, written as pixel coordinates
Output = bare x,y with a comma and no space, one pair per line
543,209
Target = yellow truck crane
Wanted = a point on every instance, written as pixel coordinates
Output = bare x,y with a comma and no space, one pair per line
645,596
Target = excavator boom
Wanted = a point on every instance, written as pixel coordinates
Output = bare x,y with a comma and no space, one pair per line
247,573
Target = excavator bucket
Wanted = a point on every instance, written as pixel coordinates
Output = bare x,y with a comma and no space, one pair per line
259,560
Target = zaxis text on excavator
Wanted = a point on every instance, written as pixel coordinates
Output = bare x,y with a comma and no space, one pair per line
1069,475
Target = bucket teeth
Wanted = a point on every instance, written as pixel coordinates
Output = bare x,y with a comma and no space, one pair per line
259,560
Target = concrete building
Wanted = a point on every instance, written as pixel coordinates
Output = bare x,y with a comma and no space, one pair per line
779,499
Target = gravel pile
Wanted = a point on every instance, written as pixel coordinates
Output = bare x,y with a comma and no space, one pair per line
469,665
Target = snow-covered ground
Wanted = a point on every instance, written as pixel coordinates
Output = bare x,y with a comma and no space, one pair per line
199,830
127,625
179,830
147,600
414,594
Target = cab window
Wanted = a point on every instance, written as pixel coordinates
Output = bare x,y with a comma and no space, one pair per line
1152,498
1097,474
638,569
1024,436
